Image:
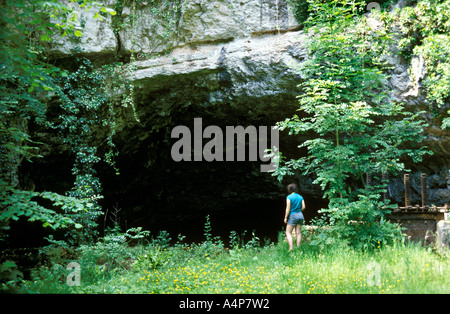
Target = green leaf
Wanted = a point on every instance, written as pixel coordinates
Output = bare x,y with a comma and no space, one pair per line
45,37
78,226
78,33
110,11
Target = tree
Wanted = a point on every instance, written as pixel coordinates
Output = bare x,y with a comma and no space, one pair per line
355,129
27,79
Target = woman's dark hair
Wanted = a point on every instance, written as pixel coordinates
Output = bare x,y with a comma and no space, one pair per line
292,188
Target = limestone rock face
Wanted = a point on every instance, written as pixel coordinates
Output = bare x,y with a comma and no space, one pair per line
204,21
195,22
98,36
250,67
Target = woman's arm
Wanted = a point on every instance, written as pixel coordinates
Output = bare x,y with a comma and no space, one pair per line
303,205
288,209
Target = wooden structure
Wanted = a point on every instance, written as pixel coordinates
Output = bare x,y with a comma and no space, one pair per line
420,221
424,207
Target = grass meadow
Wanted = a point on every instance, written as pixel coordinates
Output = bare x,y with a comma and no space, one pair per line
210,268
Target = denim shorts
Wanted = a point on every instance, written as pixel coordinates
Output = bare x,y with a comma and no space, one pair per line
295,219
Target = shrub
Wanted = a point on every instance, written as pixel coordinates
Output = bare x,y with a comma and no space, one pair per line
162,240
302,8
152,258
360,224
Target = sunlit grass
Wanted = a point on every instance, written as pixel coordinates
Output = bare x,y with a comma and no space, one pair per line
402,268
409,269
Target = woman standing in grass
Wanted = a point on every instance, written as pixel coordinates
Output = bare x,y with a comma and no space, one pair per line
293,218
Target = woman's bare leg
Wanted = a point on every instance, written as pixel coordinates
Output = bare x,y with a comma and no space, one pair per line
289,229
298,233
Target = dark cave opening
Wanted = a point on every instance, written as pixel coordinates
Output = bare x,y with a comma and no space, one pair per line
179,199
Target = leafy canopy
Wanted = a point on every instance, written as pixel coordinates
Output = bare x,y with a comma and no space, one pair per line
354,128
27,80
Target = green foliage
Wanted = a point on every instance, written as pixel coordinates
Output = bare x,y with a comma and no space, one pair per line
404,268
212,244
9,276
27,80
303,9
208,233
354,128
208,229
253,243
56,252
425,29
236,241
238,246
446,122
361,224
17,204
87,97
22,72
152,258
88,100
436,51
103,259
162,240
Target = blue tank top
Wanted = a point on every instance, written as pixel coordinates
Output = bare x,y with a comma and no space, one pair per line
296,202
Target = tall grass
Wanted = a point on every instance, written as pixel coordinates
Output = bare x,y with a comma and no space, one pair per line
209,268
